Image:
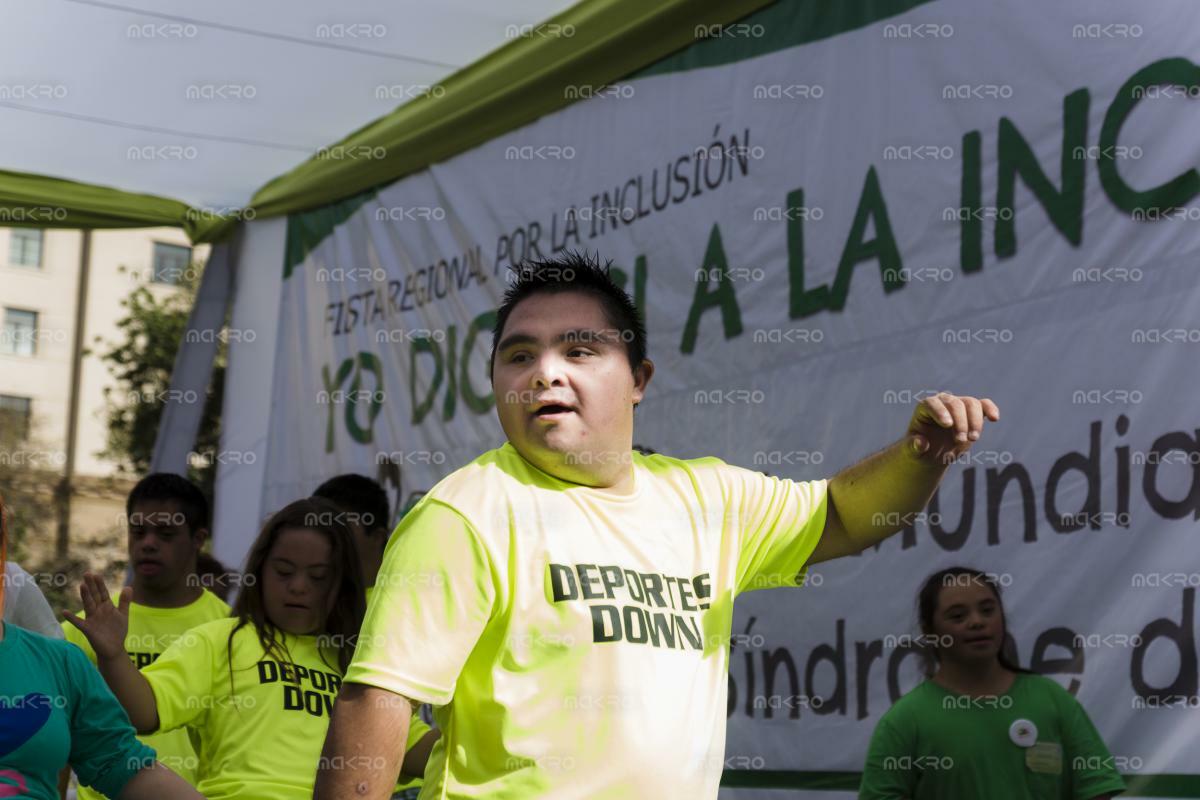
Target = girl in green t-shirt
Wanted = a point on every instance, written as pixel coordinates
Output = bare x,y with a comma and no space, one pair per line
980,726
256,689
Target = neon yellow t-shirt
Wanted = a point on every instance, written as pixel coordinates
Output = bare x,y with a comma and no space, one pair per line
151,631
574,643
262,738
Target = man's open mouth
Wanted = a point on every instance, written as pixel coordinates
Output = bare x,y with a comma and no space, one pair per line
552,408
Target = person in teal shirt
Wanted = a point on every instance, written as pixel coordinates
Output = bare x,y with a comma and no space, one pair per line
981,727
55,710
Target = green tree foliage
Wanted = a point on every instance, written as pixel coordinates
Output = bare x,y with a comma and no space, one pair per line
142,359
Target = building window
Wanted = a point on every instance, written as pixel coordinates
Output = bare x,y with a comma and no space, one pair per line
25,247
19,336
171,261
15,414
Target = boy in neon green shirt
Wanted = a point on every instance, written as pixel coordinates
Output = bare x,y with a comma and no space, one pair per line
167,518
565,603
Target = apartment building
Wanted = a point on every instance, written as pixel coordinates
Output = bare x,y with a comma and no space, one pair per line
40,311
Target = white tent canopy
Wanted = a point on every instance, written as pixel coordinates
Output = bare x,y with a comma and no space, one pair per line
207,103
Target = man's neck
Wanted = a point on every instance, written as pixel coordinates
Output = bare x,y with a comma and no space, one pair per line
176,597
623,485
620,482
969,679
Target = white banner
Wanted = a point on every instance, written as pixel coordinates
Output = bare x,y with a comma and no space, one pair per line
990,199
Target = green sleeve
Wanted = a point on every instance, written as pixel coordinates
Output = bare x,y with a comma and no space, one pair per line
105,751
1092,770
883,778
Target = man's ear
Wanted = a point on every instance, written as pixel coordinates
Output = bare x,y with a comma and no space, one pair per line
200,536
641,379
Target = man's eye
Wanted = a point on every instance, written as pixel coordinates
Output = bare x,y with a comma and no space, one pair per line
515,357
580,351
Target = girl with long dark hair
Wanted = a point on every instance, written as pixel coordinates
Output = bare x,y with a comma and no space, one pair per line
980,726
254,690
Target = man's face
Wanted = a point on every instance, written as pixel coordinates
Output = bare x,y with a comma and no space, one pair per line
564,389
162,551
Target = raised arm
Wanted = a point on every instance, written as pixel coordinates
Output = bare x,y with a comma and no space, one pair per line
883,493
364,744
106,627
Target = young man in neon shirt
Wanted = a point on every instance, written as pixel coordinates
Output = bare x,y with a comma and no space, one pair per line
565,602
167,516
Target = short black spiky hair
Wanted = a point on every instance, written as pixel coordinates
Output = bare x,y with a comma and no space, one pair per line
575,272
167,486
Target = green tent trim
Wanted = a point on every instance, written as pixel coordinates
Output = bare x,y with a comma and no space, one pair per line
480,102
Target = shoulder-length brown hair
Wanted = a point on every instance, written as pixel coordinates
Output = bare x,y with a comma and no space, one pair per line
927,603
345,614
